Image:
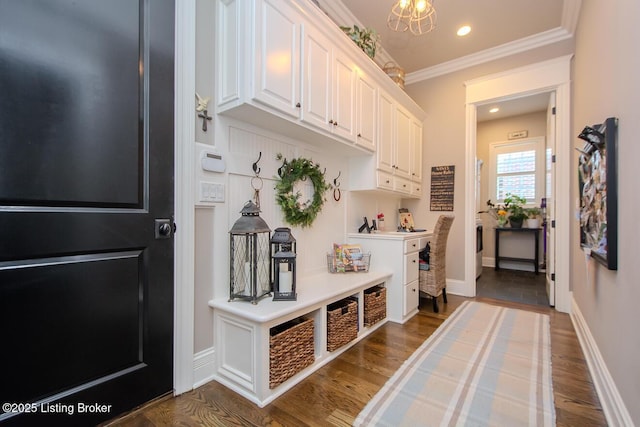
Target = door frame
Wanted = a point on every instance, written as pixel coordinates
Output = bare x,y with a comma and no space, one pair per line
548,76
184,187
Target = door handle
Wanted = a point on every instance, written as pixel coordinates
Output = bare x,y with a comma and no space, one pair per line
164,228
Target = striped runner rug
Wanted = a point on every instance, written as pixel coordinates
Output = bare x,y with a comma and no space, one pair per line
484,366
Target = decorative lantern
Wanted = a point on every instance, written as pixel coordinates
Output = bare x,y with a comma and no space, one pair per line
250,260
283,266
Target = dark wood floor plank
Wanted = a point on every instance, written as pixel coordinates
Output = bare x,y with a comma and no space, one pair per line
337,392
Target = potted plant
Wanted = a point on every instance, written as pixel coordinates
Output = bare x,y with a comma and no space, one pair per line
366,38
514,205
533,220
497,212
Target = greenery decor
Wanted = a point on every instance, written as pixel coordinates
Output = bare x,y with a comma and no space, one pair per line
533,212
366,38
298,212
514,204
513,209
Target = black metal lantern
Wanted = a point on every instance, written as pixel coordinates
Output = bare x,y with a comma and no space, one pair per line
283,265
250,256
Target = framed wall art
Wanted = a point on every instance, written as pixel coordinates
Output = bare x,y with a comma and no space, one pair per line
442,184
598,182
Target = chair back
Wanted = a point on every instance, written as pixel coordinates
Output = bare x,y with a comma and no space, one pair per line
440,236
433,281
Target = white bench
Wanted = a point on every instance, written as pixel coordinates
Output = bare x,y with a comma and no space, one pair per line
241,330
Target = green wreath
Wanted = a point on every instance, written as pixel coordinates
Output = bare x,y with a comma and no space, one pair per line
295,211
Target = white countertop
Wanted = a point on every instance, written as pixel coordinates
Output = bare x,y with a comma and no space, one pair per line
392,235
312,290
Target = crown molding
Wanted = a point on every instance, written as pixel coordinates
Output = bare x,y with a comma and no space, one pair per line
341,15
570,15
507,49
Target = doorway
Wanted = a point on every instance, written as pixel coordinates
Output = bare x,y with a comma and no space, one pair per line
548,76
515,146
86,207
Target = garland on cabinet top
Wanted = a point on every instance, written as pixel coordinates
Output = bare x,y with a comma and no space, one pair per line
297,212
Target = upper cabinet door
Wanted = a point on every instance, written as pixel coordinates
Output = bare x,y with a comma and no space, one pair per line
328,81
386,132
366,111
344,96
316,79
277,41
403,144
416,150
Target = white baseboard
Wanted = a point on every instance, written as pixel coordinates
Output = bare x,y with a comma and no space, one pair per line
457,287
614,408
508,265
204,364
488,262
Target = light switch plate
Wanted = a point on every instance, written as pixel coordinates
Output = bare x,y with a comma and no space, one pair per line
211,192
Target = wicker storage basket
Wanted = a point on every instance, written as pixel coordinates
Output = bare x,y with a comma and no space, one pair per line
342,323
375,305
291,349
395,72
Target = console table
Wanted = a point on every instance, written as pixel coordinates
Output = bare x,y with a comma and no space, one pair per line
536,238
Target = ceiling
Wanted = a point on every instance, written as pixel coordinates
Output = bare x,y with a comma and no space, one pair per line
498,28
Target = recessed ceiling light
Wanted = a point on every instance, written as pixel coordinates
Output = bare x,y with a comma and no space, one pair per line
494,110
464,30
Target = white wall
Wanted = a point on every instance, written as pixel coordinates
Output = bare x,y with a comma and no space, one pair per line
606,67
204,215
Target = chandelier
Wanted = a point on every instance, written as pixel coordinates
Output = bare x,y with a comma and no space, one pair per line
417,16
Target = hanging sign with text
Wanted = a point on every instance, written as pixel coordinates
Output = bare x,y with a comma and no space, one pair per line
442,178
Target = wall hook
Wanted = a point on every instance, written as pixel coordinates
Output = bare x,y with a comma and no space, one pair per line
335,180
281,168
336,188
255,167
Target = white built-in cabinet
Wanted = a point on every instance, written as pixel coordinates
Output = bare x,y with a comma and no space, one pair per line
397,166
398,252
416,158
366,112
386,131
402,144
329,81
276,80
242,331
286,66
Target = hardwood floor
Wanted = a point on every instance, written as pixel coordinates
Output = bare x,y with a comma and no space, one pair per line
337,392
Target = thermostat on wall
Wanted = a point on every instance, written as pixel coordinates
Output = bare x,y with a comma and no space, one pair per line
212,162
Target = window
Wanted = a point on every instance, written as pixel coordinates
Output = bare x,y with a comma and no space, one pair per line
517,168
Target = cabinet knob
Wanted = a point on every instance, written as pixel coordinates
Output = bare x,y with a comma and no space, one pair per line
387,181
331,121
359,135
335,123
298,105
404,185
